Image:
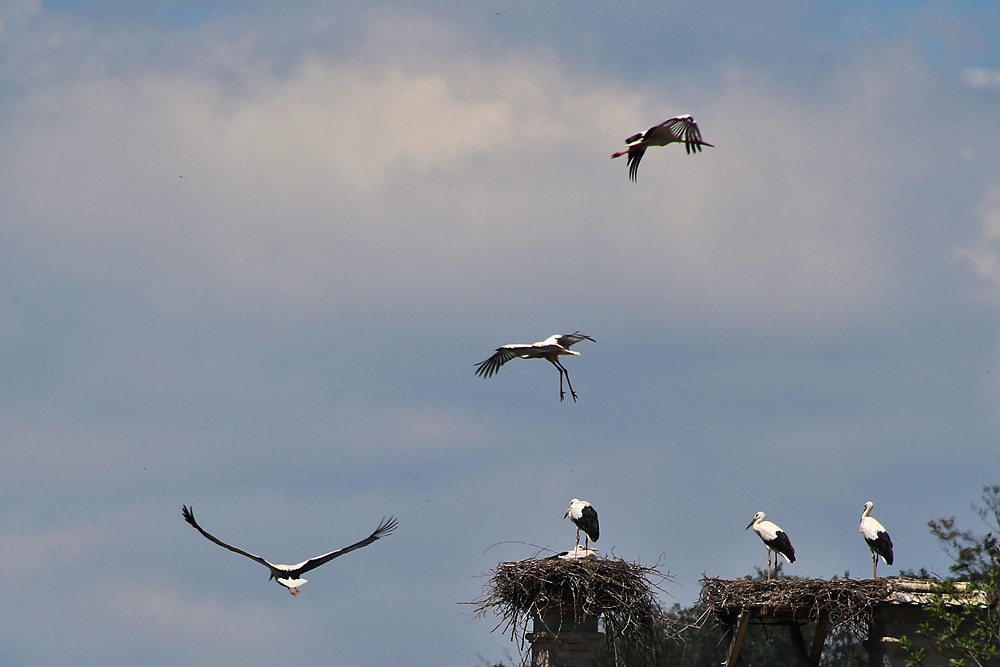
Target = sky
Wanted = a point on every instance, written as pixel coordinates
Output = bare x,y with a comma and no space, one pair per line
251,251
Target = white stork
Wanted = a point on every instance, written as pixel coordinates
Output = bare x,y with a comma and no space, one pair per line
578,553
584,516
682,129
774,539
878,540
549,349
290,576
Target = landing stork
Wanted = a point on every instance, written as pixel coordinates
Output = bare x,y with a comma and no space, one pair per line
682,129
584,516
878,540
290,576
774,539
549,349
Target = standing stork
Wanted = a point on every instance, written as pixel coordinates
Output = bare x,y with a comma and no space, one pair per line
878,540
682,129
549,349
290,576
584,516
774,539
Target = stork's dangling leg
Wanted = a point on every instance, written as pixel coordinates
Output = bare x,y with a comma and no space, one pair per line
562,372
562,394
572,393
874,565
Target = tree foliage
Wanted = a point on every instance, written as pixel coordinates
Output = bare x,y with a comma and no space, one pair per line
969,634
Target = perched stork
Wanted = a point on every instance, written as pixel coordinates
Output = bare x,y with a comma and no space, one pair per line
682,129
584,515
290,576
774,539
878,540
549,349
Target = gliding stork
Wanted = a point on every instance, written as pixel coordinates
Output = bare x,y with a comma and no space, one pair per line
682,129
584,516
774,539
290,576
878,540
549,349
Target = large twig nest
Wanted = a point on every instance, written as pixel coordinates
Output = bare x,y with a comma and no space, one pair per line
849,602
623,593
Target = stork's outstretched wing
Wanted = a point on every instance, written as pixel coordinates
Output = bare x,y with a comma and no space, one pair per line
681,128
569,340
635,154
488,367
384,528
188,513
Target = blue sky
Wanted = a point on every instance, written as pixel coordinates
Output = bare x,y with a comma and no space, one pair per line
250,253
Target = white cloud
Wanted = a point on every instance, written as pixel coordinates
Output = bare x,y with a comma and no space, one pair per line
981,78
983,256
291,185
14,14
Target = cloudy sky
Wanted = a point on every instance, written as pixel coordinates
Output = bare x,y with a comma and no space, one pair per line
251,251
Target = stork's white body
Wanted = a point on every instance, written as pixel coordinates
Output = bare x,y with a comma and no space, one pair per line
578,553
549,349
876,537
584,517
774,538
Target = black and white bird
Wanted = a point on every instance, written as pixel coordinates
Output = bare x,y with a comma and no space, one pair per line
578,553
878,540
584,516
290,576
682,129
549,349
774,539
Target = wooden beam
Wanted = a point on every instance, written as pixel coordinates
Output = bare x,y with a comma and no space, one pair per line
799,644
822,627
737,631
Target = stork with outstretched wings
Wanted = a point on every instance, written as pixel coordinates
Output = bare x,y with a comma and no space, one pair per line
549,349
290,576
682,129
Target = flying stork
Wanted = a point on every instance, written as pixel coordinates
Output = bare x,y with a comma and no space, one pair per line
682,129
878,540
584,516
774,539
549,349
290,576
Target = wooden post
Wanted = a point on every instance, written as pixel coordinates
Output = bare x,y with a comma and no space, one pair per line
736,629
561,637
819,638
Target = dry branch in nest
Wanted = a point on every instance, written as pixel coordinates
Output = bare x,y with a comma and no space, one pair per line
623,593
849,602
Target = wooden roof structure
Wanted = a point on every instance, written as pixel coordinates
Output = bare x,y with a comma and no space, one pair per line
860,605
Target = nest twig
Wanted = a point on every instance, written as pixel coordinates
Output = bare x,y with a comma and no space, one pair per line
623,593
849,602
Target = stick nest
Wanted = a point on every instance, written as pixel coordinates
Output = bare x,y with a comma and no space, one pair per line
849,602
623,593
